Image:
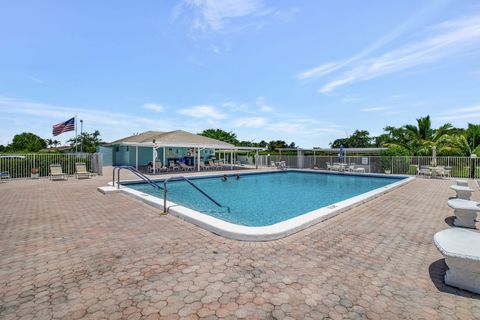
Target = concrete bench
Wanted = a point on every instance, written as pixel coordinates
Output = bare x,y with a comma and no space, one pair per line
465,212
463,183
461,249
462,192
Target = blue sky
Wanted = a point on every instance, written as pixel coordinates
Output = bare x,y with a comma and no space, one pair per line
303,71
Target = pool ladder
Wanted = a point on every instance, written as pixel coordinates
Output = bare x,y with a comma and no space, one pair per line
164,188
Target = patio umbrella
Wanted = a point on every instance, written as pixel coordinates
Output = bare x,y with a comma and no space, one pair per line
434,156
341,153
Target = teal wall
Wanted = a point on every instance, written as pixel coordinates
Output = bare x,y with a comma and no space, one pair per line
107,155
125,155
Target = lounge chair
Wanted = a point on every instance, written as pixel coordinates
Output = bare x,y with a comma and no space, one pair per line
81,170
56,172
214,164
461,249
5,175
462,192
205,167
465,211
183,166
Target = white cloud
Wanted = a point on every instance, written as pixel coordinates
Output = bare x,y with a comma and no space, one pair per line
39,117
213,14
154,107
263,106
468,114
254,122
449,38
34,79
320,70
203,111
408,24
236,107
373,109
347,99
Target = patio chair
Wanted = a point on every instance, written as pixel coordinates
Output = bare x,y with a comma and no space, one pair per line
81,171
5,175
172,166
203,166
56,172
159,166
183,166
213,165
424,171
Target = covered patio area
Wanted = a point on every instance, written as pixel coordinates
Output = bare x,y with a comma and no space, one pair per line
158,152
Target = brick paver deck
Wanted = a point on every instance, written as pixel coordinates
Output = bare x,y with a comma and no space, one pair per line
67,251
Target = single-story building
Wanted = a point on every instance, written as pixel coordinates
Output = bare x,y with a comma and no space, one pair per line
177,146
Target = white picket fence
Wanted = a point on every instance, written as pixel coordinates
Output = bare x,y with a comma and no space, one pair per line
460,167
21,165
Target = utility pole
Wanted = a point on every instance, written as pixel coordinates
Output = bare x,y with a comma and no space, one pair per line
81,136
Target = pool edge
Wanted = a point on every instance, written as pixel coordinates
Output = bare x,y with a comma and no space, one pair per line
272,232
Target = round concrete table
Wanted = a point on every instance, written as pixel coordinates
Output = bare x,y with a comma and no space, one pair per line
462,192
461,249
465,212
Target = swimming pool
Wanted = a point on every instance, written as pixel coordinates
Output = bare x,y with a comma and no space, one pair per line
258,202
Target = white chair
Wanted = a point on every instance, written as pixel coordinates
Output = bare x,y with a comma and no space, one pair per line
461,249
56,172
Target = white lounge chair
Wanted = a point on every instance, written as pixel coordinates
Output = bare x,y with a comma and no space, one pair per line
465,212
183,166
462,192
461,249
56,172
81,171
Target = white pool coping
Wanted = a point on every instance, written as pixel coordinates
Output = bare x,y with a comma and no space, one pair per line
271,232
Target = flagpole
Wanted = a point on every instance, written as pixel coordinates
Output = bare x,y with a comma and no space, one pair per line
76,141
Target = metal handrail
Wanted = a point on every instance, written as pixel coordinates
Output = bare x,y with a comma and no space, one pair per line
155,185
137,173
194,186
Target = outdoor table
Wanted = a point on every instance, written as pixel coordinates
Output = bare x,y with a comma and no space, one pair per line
434,171
465,212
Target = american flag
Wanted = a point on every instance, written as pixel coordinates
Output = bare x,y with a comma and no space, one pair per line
62,127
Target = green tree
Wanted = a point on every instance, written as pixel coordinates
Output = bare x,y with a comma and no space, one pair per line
424,137
87,141
221,135
359,139
277,144
27,142
472,134
2,148
52,142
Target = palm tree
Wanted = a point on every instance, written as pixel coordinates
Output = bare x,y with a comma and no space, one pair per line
423,138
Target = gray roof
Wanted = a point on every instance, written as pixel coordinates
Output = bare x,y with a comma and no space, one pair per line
177,138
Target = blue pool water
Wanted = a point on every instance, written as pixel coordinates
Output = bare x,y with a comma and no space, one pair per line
268,198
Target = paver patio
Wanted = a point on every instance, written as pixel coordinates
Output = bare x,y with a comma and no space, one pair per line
67,251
